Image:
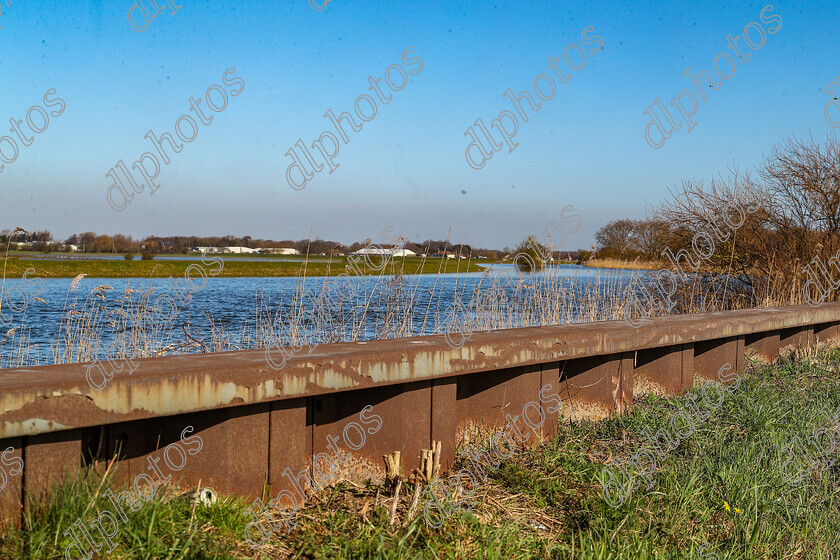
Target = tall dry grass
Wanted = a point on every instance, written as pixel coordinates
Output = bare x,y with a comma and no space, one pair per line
386,305
636,264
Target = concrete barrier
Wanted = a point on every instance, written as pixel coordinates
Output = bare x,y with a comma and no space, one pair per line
257,423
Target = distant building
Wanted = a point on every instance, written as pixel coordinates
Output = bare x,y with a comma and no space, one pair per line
392,252
443,254
239,250
74,248
280,251
206,250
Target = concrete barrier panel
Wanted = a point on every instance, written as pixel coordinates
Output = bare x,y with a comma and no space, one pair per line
488,399
595,388
400,420
658,371
711,355
763,344
795,336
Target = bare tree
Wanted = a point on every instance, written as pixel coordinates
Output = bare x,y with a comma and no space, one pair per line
785,218
650,236
615,238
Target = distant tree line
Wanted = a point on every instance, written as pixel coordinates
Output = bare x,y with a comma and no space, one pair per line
38,239
90,242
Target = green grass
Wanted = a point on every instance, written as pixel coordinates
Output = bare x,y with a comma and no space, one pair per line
54,254
167,526
83,256
232,268
546,502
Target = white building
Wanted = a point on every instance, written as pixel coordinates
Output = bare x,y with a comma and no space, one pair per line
239,250
280,251
206,250
393,252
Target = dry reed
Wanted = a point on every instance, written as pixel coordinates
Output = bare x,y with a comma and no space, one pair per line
385,304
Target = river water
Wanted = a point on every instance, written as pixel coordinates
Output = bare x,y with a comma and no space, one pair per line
59,320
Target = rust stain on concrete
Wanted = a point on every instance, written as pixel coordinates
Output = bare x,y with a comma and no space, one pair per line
52,398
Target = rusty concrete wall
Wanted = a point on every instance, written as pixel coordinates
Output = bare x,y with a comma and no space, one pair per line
261,428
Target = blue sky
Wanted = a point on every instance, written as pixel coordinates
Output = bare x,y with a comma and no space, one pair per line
406,167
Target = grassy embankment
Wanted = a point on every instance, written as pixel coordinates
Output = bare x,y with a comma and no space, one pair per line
722,486
233,268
